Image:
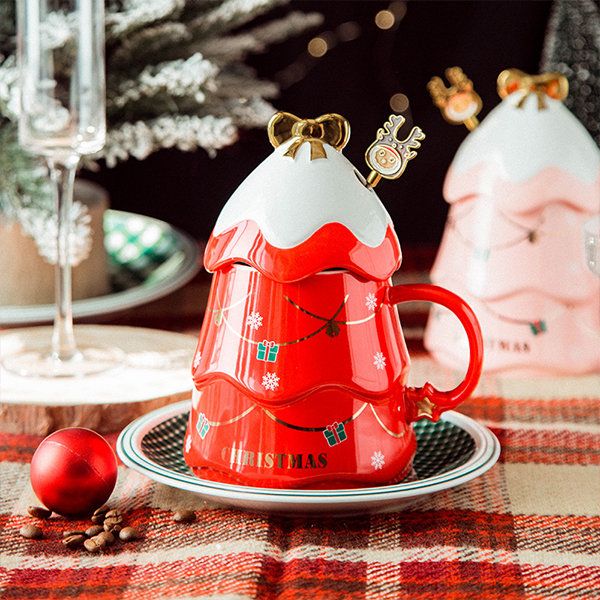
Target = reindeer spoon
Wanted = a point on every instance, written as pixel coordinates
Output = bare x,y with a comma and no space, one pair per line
388,156
459,103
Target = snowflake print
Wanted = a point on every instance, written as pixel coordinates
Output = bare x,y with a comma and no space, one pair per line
371,301
378,460
379,361
270,381
188,443
197,359
254,320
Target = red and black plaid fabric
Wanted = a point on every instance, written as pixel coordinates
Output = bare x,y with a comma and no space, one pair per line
529,528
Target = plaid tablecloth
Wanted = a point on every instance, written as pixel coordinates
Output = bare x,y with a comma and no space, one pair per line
529,528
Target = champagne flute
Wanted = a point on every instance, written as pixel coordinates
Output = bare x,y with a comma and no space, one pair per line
60,52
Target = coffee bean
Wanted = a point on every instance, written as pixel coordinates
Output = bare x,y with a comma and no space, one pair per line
92,545
184,516
128,534
107,536
31,532
39,512
74,541
100,540
100,514
94,530
112,527
67,534
113,517
111,522
102,510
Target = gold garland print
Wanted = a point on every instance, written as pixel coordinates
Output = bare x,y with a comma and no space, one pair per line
307,429
330,325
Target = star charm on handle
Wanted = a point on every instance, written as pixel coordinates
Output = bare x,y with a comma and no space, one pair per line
425,408
459,103
388,156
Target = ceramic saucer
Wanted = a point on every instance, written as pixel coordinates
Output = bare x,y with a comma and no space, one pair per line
451,452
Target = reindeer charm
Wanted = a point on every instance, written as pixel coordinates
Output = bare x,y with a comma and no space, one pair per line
388,156
458,103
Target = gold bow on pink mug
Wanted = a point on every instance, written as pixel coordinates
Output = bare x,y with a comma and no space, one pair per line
330,129
553,85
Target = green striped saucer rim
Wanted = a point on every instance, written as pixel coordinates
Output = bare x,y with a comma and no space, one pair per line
265,499
132,447
130,450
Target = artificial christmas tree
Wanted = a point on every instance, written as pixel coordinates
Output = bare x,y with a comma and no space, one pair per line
520,189
176,78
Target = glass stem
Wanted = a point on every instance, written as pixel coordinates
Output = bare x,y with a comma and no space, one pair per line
62,174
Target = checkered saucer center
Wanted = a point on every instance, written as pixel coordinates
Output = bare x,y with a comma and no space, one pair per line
441,446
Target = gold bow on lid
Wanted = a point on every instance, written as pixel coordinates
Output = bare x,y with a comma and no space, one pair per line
554,85
330,129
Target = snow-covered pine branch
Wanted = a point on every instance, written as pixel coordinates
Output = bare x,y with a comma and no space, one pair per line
148,43
176,78
9,92
279,30
245,113
185,132
237,47
136,14
231,14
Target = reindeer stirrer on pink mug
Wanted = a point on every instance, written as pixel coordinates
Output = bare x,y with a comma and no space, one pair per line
301,367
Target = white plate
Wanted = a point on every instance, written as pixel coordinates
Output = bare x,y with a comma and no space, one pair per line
172,269
451,452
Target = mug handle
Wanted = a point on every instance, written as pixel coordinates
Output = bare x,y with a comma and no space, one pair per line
427,402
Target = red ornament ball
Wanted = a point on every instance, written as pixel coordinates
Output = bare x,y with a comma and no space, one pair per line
73,471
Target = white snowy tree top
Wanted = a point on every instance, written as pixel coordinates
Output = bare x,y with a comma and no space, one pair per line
521,142
292,198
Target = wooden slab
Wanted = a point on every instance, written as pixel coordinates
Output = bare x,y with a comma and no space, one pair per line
156,371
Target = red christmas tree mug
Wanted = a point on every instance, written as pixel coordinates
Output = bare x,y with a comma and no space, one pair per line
333,408
301,369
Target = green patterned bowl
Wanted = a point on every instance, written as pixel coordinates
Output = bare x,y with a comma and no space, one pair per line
147,259
451,452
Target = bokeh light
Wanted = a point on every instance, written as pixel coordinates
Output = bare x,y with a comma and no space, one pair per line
385,19
317,47
398,9
399,102
348,31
